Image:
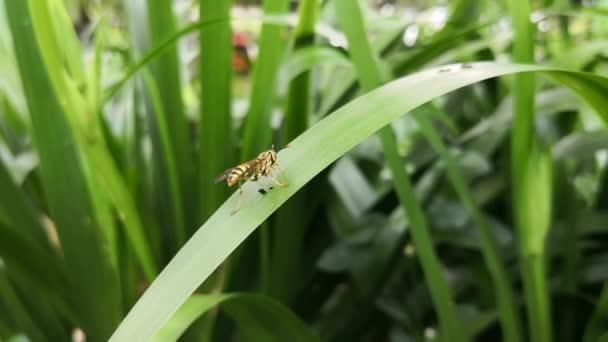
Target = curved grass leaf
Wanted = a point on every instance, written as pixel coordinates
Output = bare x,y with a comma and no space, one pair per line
259,318
309,154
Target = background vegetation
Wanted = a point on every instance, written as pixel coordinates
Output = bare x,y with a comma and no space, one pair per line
428,199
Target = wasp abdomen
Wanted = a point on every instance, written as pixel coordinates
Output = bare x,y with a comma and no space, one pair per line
236,174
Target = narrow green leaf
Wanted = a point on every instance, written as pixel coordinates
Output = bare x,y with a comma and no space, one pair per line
11,302
169,162
93,287
216,145
172,139
502,288
17,211
259,318
308,155
257,131
596,326
368,70
32,262
102,173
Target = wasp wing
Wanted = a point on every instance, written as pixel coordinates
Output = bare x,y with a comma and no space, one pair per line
223,176
245,168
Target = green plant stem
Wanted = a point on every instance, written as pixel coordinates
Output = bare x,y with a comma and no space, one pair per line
531,180
349,16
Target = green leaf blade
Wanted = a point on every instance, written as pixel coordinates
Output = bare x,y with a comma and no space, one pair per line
310,153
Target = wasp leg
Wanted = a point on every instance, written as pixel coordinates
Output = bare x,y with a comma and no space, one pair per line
277,182
238,203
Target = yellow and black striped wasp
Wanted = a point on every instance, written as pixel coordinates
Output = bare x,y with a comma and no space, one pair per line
252,170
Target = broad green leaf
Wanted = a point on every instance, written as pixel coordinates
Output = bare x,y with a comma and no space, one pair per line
308,155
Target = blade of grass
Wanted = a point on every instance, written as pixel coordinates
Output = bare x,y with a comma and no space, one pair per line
24,245
286,250
368,70
71,53
87,133
504,294
261,318
531,174
596,325
93,288
172,135
308,155
17,211
22,320
216,149
49,318
168,159
257,131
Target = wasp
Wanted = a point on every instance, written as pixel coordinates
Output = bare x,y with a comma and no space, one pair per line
252,170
